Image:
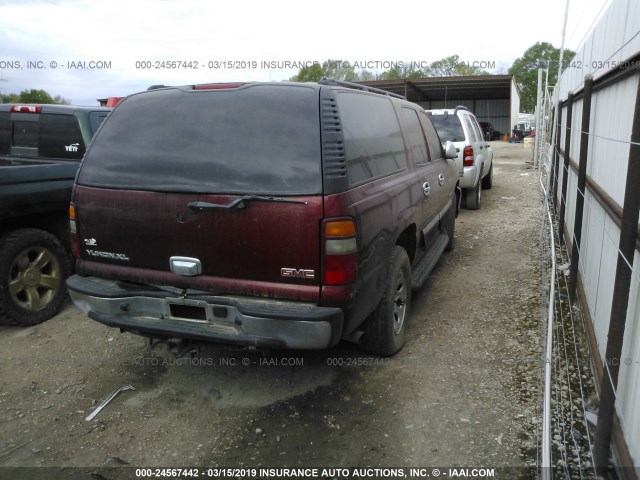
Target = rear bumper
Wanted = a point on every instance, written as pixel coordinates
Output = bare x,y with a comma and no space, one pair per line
164,312
470,177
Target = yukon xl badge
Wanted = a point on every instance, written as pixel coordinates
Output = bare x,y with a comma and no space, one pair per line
113,256
90,242
72,148
297,273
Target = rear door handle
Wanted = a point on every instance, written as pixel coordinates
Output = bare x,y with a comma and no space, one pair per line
441,179
426,189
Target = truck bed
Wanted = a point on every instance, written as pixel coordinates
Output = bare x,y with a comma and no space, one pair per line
33,186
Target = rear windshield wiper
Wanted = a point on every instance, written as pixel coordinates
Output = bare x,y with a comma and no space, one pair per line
240,202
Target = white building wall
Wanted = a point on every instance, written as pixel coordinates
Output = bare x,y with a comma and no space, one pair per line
614,40
515,105
612,123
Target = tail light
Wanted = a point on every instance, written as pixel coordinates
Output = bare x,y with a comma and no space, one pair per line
74,230
468,157
26,109
340,255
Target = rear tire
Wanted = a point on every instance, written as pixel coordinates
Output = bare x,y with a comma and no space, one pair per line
487,181
472,196
385,331
33,269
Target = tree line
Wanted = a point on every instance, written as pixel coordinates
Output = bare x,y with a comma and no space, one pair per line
33,96
341,70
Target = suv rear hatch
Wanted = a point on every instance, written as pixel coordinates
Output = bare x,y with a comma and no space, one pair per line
449,128
216,189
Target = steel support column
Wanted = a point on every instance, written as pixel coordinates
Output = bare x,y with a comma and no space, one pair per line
555,168
582,186
565,172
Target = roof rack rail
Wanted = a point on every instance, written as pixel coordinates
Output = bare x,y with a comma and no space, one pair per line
358,86
460,107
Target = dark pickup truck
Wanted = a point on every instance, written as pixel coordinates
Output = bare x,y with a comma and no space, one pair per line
41,147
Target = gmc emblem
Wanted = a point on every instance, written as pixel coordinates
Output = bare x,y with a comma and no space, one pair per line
297,273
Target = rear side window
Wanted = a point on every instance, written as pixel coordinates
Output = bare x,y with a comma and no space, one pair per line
477,128
416,135
95,120
435,145
5,134
262,139
471,128
448,127
373,142
60,137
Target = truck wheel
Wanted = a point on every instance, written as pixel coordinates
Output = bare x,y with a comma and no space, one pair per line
472,196
33,269
487,181
385,331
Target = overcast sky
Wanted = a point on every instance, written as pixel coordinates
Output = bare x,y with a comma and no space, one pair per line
45,44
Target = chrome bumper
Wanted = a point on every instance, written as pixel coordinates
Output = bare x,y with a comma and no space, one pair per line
200,316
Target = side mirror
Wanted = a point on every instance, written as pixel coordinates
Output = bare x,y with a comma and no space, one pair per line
450,150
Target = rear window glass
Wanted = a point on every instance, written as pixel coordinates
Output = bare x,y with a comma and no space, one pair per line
60,137
45,135
259,139
448,127
25,134
373,143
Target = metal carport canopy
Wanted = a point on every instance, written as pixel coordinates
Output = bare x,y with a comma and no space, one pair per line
448,88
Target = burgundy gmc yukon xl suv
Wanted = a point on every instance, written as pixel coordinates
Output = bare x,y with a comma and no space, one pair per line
264,214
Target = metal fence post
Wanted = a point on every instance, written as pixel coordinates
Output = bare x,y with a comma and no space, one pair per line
556,156
539,115
565,173
582,186
620,302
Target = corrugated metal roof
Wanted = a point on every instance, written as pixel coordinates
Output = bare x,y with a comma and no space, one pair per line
448,88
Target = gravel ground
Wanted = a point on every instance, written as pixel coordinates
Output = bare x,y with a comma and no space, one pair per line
573,391
464,392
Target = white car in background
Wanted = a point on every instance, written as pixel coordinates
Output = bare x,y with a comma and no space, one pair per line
475,155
